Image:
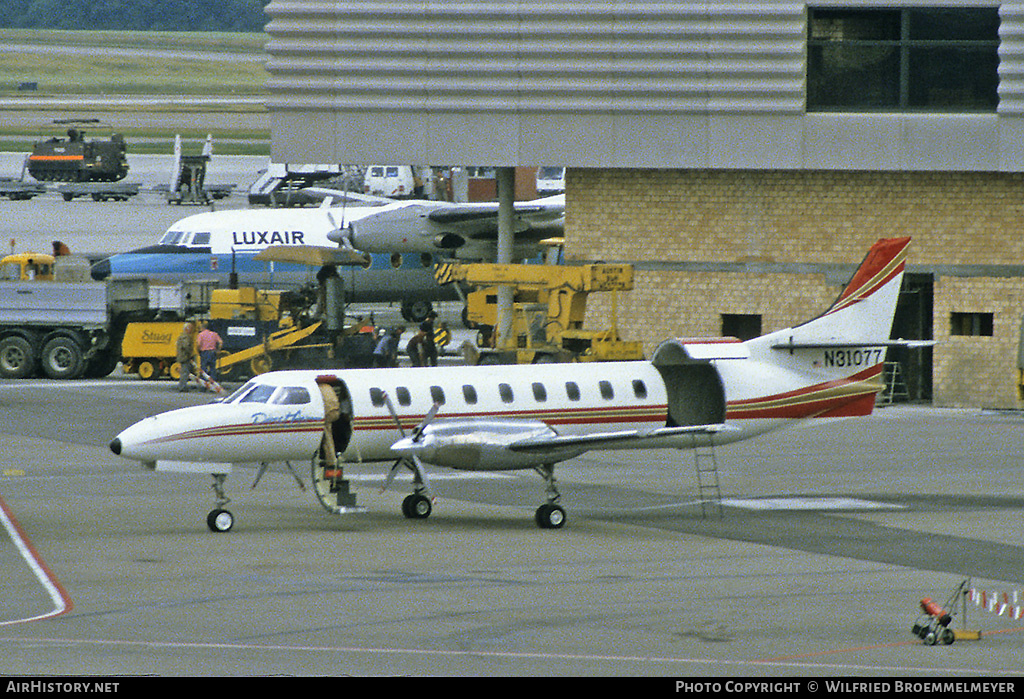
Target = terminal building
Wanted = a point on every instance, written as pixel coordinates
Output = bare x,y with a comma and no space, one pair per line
742,155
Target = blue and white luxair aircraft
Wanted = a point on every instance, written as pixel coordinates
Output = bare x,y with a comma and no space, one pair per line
692,393
398,242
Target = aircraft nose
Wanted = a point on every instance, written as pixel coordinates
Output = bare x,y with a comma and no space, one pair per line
101,270
115,446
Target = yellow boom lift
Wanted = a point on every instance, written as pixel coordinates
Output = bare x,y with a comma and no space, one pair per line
549,305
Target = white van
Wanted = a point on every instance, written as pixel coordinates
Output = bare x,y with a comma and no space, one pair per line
550,180
392,181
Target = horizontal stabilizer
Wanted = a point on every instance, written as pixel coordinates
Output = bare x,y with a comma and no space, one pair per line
911,344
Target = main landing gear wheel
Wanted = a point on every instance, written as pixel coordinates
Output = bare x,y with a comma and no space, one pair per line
416,506
550,516
220,520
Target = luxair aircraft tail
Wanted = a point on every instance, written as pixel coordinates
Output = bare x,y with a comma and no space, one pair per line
830,366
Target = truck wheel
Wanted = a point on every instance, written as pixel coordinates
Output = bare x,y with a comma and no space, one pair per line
101,365
416,311
16,358
62,358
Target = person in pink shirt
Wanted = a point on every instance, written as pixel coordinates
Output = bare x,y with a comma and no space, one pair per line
208,343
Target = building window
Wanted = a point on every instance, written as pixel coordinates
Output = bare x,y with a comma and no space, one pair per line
930,59
971,324
742,326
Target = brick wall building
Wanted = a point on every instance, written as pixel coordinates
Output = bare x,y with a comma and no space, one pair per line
717,248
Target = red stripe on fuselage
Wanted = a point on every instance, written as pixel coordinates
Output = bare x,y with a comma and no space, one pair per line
802,403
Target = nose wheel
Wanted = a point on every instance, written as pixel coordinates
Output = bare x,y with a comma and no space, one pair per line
220,520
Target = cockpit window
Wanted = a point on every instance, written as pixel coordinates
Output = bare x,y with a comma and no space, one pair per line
259,394
172,238
239,392
291,395
200,240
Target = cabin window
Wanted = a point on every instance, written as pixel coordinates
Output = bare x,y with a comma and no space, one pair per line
291,395
606,390
639,388
505,391
540,394
437,394
403,395
572,391
377,397
469,394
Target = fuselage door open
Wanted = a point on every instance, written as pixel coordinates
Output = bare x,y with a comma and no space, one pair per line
696,395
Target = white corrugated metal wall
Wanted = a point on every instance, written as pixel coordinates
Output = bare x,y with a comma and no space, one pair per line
598,84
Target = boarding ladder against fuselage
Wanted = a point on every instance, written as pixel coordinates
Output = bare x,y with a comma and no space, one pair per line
709,490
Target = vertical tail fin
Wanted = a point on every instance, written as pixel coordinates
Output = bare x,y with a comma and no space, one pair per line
832,365
863,313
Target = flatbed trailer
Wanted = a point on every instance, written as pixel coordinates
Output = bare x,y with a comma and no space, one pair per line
99,191
20,189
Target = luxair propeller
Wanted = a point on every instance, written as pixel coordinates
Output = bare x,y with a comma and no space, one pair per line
418,504
339,233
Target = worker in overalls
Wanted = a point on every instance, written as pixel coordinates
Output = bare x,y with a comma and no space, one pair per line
332,411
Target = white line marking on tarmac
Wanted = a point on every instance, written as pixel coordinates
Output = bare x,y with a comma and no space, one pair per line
524,655
809,503
61,602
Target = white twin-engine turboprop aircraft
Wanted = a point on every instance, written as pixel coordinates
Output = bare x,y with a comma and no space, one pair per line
692,393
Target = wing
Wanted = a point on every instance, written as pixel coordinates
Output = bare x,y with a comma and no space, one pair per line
625,439
538,219
337,196
486,444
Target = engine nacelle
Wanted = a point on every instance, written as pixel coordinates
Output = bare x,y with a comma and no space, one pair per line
476,445
449,241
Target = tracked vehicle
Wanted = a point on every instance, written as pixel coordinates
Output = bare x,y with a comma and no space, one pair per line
75,159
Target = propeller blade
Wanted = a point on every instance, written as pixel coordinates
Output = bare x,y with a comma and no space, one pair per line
339,232
417,432
394,413
391,475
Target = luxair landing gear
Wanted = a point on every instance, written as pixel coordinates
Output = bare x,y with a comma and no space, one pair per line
550,515
219,519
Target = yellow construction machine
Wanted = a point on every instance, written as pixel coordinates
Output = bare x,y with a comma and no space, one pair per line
260,330
549,304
